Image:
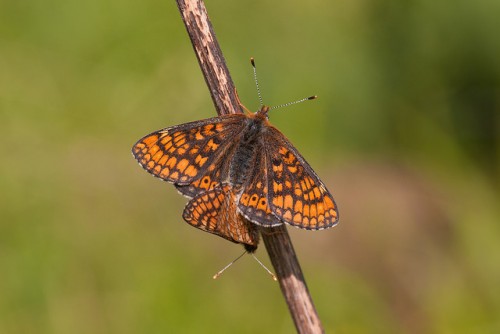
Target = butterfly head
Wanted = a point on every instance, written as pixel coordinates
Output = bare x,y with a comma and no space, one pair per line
263,112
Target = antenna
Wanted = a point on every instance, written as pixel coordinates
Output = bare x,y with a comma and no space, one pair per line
256,81
219,273
252,60
294,102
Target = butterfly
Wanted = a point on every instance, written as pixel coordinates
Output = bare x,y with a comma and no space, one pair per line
241,175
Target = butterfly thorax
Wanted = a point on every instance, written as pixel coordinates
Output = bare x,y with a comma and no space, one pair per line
246,150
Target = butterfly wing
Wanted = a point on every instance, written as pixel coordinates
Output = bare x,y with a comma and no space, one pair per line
295,192
215,211
184,153
253,203
215,174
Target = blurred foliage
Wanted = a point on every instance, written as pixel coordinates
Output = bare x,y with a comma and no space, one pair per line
405,134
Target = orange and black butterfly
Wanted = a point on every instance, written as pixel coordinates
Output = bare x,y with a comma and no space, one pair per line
241,173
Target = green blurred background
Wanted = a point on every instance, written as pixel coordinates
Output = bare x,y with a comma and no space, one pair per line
405,134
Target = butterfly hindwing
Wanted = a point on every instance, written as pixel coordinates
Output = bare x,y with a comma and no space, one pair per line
215,211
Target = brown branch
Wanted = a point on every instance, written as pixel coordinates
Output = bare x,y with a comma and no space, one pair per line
277,240
209,55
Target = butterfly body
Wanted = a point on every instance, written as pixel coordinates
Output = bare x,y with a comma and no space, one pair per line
240,173
249,142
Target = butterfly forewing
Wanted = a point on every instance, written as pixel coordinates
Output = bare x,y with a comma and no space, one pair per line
215,174
296,194
184,153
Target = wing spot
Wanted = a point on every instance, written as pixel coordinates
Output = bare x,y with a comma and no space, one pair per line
150,140
328,202
211,146
289,158
208,129
288,202
157,156
206,182
181,141
154,149
200,160
313,210
277,187
244,199
171,162
191,171
164,172
163,159
298,206
168,144
305,221
321,208
306,210
278,202
182,165
167,141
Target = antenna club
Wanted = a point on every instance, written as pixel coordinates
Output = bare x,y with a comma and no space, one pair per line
314,97
252,61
